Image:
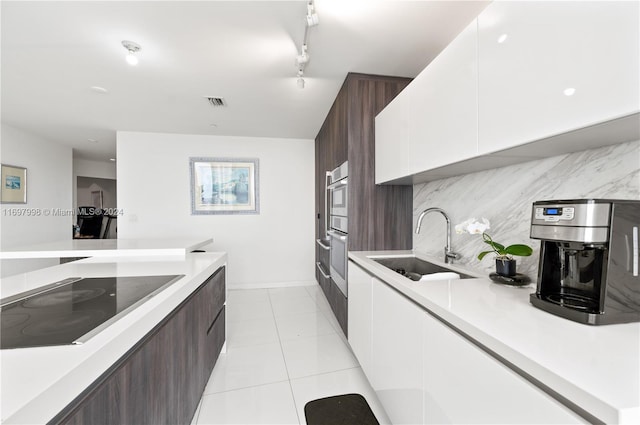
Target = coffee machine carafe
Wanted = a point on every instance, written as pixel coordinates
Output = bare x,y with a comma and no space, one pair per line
588,270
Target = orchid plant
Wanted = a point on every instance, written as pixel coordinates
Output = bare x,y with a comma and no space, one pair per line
475,227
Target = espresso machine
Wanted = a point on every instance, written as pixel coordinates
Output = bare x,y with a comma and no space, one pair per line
588,269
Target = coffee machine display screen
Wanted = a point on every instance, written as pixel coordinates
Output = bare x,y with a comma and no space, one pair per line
554,214
553,211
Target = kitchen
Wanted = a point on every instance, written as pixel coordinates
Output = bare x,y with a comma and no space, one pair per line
501,187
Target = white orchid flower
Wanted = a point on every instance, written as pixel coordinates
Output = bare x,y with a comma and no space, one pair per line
473,226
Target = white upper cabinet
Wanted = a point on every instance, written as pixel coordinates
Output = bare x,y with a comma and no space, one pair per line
546,68
392,132
443,106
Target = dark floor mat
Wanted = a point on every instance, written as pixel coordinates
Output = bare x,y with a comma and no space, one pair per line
346,409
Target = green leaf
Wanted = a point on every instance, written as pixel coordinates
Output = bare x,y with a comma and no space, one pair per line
519,249
482,254
495,245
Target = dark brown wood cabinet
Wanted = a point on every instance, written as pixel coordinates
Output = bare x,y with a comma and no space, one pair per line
162,378
379,216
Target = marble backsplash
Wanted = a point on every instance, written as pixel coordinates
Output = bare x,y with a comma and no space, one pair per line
505,195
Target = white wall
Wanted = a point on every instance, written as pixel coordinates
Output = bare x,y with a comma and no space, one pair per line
275,247
505,196
88,168
49,186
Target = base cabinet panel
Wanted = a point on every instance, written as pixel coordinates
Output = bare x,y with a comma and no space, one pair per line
464,384
359,301
161,380
338,303
423,371
396,354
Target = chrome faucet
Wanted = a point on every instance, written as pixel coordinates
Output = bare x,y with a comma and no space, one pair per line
449,255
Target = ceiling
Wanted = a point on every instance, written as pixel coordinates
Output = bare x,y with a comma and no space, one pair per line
53,52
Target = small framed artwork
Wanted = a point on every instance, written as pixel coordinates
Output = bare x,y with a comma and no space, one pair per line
224,186
96,198
14,185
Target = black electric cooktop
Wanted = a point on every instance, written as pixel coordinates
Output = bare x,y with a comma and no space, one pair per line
73,310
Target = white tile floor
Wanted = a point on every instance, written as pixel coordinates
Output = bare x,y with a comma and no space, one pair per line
284,349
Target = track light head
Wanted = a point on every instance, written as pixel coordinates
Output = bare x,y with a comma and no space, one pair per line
302,58
132,48
312,19
312,16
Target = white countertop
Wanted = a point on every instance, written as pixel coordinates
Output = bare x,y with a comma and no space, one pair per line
105,247
595,367
37,383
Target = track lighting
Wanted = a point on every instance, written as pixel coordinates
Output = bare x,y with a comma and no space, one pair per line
302,59
312,16
132,48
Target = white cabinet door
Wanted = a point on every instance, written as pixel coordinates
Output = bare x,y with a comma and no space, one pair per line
546,68
359,318
443,106
464,384
392,127
396,373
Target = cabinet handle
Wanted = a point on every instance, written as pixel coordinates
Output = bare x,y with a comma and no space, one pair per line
636,252
319,266
323,246
327,209
337,235
214,321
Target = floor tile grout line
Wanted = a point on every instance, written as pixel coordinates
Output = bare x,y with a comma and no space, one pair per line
245,388
326,314
284,359
326,373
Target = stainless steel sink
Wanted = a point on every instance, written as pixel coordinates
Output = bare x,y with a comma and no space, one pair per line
414,268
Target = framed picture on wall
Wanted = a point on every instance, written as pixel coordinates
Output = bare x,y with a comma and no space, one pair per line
224,186
96,198
14,185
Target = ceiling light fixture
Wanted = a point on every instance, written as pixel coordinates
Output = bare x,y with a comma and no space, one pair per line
100,90
502,38
302,58
569,91
112,159
312,16
132,49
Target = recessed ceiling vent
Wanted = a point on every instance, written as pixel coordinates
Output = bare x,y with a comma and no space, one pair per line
216,101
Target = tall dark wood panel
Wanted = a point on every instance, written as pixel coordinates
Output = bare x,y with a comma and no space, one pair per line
379,216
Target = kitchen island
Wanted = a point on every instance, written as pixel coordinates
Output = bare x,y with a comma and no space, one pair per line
40,383
458,341
105,248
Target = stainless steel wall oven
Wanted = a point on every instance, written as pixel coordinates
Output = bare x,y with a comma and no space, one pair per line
338,226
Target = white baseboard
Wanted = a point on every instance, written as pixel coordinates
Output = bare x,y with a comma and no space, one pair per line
266,285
